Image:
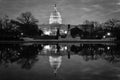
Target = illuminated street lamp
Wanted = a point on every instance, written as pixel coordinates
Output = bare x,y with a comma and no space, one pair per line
104,36
47,47
65,32
22,34
47,32
108,33
108,47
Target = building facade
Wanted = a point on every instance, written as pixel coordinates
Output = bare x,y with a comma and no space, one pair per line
55,22
55,17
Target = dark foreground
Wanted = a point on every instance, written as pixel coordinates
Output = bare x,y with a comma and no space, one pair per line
59,61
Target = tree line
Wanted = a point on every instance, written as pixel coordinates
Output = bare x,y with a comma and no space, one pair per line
27,25
27,56
96,30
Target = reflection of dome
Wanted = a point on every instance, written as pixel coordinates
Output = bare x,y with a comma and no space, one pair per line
55,62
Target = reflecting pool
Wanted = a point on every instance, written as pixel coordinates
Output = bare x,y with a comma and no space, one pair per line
61,61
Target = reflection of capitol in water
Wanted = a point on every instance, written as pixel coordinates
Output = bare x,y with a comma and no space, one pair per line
50,62
55,57
54,49
55,62
87,51
26,55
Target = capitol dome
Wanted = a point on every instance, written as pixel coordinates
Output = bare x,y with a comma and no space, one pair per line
55,17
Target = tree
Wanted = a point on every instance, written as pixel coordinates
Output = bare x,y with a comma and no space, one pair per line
76,32
113,26
27,18
112,23
28,24
89,27
90,24
7,29
40,32
5,22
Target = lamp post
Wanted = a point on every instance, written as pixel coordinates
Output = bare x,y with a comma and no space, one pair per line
108,34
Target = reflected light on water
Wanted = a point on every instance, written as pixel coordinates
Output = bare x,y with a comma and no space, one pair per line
55,62
63,48
108,47
66,61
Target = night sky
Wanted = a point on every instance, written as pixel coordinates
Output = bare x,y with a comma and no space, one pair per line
72,11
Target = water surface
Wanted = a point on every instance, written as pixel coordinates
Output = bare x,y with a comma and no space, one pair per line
62,61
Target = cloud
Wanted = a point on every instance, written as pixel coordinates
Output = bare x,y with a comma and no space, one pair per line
60,2
86,1
118,3
72,10
113,12
86,9
97,6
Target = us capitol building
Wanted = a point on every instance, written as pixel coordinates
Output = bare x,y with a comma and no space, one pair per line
55,22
